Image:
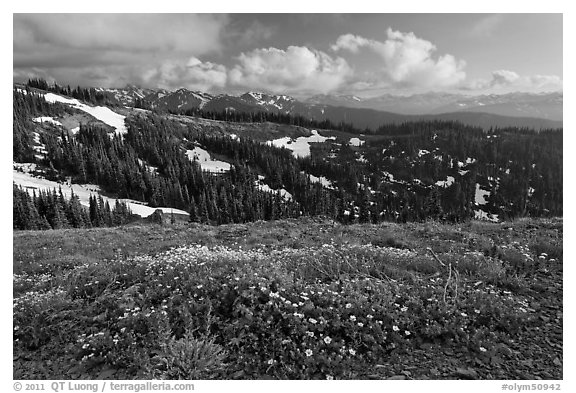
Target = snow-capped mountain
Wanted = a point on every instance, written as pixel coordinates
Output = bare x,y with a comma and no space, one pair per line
127,95
180,100
514,109
269,102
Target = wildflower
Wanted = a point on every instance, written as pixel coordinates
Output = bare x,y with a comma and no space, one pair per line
403,309
369,316
406,332
310,334
360,324
482,349
308,352
329,377
352,352
271,362
463,314
395,328
327,340
352,318
348,305
312,320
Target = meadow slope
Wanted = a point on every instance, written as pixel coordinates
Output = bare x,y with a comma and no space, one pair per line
291,299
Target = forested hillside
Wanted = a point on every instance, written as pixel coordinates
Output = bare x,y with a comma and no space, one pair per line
402,172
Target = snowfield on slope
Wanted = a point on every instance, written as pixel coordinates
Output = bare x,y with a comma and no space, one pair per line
102,113
83,191
206,162
301,146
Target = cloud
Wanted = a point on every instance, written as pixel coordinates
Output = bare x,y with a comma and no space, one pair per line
296,69
486,26
66,45
546,81
506,80
190,33
256,32
407,60
503,78
194,75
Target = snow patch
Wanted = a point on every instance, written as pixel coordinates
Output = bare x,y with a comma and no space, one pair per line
266,188
481,195
46,119
102,113
482,215
83,191
301,146
356,142
445,183
322,180
206,162
388,175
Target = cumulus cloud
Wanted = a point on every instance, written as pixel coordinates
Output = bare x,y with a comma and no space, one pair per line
408,60
296,69
503,78
194,75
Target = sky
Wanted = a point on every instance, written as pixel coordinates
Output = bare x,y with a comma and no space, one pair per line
365,55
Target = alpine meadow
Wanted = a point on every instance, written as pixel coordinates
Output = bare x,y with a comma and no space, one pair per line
287,197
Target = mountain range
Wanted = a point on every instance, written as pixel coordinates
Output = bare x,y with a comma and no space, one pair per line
514,109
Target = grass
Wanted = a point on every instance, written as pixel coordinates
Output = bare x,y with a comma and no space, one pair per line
292,299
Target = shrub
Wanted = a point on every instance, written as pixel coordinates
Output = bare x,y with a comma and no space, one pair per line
189,358
548,247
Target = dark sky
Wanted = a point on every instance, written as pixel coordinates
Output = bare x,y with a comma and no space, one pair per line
298,54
